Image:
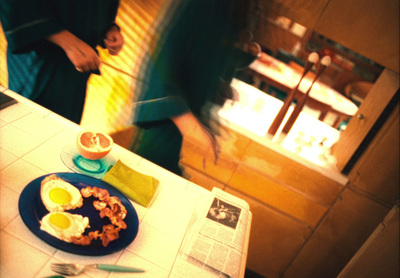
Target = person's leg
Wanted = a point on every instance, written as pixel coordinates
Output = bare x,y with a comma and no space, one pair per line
49,80
65,93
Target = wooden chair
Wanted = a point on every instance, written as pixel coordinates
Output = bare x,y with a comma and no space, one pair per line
357,90
323,108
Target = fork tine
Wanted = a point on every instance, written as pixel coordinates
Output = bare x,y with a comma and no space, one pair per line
59,265
61,271
61,268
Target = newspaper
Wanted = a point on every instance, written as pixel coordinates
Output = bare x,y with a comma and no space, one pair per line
218,235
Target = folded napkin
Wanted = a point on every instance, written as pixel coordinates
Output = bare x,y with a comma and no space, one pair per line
134,185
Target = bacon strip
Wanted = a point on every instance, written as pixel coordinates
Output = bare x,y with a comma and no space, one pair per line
109,206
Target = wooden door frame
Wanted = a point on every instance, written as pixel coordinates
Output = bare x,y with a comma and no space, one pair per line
363,127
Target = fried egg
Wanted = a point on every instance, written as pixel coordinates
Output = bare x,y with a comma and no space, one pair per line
59,195
64,225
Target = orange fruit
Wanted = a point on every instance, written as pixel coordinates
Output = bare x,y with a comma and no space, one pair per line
93,145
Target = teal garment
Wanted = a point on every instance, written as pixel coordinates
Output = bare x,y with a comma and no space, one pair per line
160,142
184,73
194,53
40,70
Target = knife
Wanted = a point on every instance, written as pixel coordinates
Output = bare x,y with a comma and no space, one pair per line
122,71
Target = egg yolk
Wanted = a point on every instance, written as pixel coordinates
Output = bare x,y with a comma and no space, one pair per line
60,195
60,220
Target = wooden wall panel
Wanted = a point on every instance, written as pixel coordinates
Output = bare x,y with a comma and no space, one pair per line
368,27
304,12
199,178
232,148
274,238
202,160
379,255
377,172
275,195
273,37
350,222
288,172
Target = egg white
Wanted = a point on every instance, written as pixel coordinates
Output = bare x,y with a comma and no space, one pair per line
76,227
75,201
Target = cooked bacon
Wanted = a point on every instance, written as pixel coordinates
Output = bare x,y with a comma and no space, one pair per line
87,192
108,206
106,212
117,206
99,205
100,193
97,192
120,223
109,234
82,240
94,234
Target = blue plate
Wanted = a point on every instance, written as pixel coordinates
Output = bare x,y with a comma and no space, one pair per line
32,211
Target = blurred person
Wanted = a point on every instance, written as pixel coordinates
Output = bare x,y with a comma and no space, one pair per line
191,66
51,49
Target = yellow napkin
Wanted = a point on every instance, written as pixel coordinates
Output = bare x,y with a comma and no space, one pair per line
136,186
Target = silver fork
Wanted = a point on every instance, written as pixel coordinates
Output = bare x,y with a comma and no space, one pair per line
75,269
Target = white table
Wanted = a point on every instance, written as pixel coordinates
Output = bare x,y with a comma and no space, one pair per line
31,139
284,77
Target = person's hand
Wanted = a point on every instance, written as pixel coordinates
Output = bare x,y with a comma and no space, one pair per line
79,53
191,127
114,40
83,57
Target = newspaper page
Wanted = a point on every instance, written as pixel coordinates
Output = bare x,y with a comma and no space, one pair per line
219,234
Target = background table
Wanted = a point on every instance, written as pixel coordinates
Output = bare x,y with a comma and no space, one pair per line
31,139
284,77
253,112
